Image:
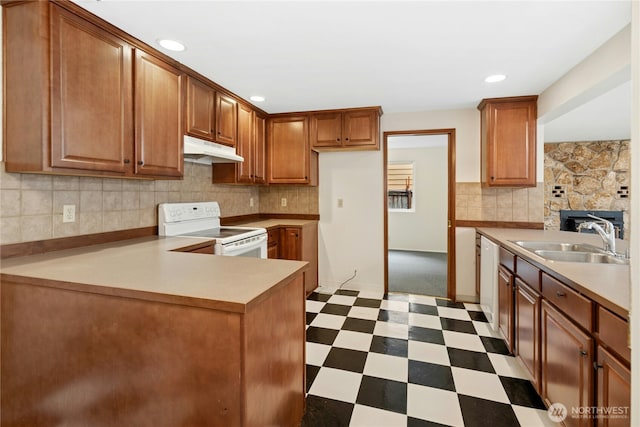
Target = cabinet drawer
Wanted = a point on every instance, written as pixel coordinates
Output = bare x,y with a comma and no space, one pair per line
574,305
528,273
507,259
614,332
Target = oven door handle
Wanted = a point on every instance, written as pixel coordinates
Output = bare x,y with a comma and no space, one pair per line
231,250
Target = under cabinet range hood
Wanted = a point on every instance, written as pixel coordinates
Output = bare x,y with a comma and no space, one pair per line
205,152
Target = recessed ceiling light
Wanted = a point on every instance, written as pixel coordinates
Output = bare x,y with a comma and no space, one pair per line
495,78
171,45
257,98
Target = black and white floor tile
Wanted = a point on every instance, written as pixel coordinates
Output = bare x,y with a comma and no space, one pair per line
410,360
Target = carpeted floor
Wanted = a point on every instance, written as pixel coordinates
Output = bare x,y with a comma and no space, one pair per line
423,273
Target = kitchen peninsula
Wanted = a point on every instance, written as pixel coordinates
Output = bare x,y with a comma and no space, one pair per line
136,333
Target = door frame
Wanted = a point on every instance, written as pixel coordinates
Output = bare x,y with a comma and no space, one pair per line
451,203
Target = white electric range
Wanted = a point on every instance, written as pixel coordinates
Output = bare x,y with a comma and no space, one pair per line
202,220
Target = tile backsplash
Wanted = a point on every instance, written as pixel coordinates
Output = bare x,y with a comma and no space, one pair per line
477,203
31,204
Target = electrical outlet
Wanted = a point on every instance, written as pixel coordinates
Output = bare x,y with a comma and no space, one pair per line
251,202
69,213
340,203
283,202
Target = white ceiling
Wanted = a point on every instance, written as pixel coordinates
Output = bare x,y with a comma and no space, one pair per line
403,55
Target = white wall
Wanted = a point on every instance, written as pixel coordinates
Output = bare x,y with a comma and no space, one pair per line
466,122
355,232
425,228
606,68
350,238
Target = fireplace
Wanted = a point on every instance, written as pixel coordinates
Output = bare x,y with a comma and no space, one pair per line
570,220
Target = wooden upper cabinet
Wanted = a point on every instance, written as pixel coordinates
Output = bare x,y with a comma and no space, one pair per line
508,141
251,145
226,119
69,97
260,149
288,151
159,117
245,144
200,110
352,129
326,129
89,64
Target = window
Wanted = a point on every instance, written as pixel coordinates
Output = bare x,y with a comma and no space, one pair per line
400,186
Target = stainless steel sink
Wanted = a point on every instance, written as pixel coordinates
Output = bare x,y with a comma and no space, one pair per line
576,256
534,245
570,252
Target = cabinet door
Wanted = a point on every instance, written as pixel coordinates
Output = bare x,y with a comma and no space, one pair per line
226,120
509,142
273,243
326,129
290,243
613,390
288,153
360,129
159,119
200,104
244,145
528,330
91,96
567,364
505,305
259,150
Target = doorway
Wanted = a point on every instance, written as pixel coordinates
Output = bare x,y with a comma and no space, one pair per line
420,212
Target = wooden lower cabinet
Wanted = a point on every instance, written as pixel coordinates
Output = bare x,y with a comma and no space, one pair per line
300,243
273,243
567,374
574,350
106,360
528,330
505,306
613,391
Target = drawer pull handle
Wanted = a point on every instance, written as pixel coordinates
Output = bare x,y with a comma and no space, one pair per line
561,294
583,353
597,366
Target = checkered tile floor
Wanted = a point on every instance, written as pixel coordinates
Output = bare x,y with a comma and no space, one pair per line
410,360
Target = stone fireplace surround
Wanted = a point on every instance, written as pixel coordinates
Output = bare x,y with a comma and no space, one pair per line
592,175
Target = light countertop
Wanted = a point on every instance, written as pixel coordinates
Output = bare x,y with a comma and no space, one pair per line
276,222
148,268
607,284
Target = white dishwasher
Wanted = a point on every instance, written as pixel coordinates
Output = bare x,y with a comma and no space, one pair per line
489,258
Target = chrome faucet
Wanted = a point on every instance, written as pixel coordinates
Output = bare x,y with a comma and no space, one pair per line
608,232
